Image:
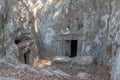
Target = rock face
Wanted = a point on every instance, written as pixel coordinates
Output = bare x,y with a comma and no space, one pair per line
15,30
117,38
87,24
83,61
115,70
91,26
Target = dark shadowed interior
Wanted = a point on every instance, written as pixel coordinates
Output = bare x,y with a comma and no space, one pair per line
73,48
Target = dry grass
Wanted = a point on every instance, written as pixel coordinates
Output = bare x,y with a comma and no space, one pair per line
40,63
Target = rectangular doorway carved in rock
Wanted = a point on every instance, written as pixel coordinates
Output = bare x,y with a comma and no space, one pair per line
73,48
27,57
68,48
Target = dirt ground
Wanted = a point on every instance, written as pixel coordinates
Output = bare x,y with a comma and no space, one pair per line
96,72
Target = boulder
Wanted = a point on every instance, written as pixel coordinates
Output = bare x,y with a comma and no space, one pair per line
83,76
83,61
61,60
54,71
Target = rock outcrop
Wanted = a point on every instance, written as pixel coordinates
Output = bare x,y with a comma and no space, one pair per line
92,26
77,61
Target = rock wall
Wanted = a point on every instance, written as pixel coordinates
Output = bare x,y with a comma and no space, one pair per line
94,22
15,29
54,23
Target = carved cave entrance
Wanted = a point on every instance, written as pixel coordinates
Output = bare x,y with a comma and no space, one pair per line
73,48
69,48
69,45
25,47
17,41
26,58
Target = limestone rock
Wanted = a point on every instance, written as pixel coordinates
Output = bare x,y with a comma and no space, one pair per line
7,78
83,75
83,61
117,38
53,71
115,68
61,73
61,60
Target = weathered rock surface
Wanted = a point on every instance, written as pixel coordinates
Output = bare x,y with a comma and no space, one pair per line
115,69
95,24
117,38
83,61
77,61
62,60
53,71
83,75
8,78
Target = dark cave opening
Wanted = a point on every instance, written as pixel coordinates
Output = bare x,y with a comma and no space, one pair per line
73,48
17,41
26,58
